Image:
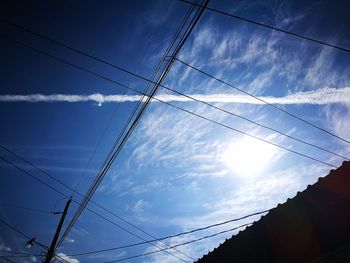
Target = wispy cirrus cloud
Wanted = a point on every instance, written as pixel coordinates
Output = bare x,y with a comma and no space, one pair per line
322,96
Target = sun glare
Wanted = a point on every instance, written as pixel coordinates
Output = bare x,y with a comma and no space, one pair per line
248,156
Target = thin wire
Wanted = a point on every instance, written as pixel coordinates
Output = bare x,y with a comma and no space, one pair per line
247,134
192,113
70,188
32,176
155,31
171,236
19,232
31,209
99,141
152,252
8,260
15,252
262,100
111,158
21,256
57,191
270,27
14,228
256,123
182,94
181,244
59,200
61,193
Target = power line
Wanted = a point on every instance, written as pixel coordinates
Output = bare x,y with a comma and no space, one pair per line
181,244
160,250
14,228
256,123
190,112
270,27
262,100
112,157
182,94
192,98
57,191
171,236
249,135
99,141
7,259
160,22
31,209
55,179
16,252
71,189
19,232
87,208
21,256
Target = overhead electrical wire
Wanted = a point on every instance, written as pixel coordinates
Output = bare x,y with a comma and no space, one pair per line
262,100
31,209
21,256
182,94
272,105
160,22
148,97
71,189
205,73
8,260
172,105
170,236
100,140
153,252
22,234
61,193
14,228
270,27
110,159
134,90
203,102
181,244
208,104
15,252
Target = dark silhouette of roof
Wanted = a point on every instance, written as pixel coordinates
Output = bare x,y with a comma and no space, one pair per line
312,227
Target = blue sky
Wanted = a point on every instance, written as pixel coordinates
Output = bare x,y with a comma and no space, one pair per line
177,172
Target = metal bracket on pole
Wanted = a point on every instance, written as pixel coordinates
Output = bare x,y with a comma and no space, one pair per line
51,251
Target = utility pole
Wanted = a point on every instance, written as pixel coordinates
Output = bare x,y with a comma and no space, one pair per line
51,251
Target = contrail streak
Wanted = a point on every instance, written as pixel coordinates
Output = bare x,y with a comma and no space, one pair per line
317,97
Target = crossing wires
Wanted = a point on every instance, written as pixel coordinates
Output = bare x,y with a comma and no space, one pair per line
175,47
172,236
181,244
262,100
191,112
270,27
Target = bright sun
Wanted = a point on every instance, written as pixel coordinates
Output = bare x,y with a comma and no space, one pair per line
248,156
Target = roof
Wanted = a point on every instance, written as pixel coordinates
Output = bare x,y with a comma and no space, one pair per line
314,226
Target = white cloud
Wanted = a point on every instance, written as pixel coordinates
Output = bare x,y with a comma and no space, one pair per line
322,96
61,257
253,195
140,206
3,247
70,240
161,257
338,120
